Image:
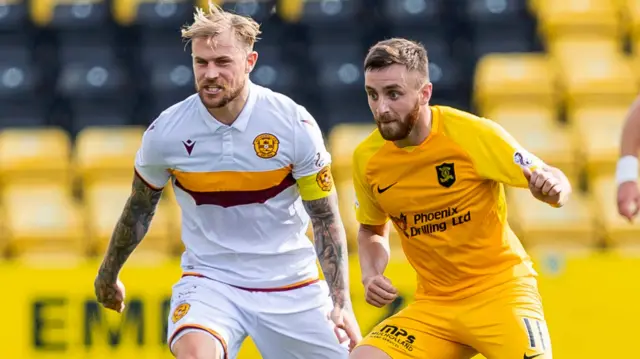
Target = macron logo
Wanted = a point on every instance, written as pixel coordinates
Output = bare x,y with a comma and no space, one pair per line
188,145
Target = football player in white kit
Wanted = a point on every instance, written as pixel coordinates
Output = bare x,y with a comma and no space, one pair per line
250,170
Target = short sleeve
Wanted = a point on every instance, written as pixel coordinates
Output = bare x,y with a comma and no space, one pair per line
368,210
499,157
149,163
312,161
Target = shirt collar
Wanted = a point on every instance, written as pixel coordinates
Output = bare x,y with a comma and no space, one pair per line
242,121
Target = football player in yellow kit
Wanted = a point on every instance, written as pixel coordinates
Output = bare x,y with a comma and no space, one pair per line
438,174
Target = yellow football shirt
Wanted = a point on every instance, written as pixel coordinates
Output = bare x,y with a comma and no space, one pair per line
446,199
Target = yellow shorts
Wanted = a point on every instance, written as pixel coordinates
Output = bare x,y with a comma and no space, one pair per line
505,322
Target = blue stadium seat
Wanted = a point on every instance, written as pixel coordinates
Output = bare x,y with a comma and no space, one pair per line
20,101
272,70
416,14
153,14
65,15
332,21
14,16
95,86
259,10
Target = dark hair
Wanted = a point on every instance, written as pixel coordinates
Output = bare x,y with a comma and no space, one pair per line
407,53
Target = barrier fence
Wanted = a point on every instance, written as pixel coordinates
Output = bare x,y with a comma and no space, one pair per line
591,303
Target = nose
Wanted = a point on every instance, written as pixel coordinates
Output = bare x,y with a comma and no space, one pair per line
212,71
383,107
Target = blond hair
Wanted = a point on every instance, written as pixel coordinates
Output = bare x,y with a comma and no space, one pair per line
211,23
407,53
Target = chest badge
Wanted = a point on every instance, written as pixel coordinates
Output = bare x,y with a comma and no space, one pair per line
446,174
266,145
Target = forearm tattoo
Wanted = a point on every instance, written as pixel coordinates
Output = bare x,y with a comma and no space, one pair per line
131,227
331,246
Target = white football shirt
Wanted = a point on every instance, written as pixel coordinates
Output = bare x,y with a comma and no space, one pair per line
240,187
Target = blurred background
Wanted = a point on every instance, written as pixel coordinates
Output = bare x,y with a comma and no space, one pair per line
80,81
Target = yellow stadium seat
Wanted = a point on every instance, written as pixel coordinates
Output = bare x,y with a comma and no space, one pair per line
125,12
631,14
542,226
43,219
549,140
617,231
35,156
515,79
342,141
43,12
106,154
597,134
559,18
597,79
104,203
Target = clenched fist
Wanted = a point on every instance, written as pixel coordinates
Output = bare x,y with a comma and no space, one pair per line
379,291
546,186
628,199
110,294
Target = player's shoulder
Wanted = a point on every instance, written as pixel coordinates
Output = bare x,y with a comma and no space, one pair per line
459,124
277,105
173,117
367,148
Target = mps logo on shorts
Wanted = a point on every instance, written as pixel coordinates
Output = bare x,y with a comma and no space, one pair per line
446,174
180,312
398,337
266,145
324,179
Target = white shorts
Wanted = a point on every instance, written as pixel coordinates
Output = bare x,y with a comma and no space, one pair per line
285,324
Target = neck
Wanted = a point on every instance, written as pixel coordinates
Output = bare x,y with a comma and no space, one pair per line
230,112
420,131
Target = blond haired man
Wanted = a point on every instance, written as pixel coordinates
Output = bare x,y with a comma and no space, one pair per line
250,170
438,175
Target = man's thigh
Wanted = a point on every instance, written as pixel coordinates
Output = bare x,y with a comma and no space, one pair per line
419,331
509,323
304,334
199,304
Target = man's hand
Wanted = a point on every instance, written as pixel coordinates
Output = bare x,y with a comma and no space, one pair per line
379,291
628,200
110,294
345,322
546,186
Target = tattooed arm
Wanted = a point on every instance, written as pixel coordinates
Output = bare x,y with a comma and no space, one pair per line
129,231
331,246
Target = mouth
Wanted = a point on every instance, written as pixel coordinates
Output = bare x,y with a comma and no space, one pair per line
212,90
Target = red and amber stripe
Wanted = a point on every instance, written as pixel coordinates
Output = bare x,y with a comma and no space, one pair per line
228,189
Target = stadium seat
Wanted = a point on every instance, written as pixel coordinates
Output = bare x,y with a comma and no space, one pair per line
597,79
341,142
259,10
106,154
35,156
21,103
104,203
540,225
515,79
14,16
597,134
561,18
272,69
347,196
547,139
617,231
65,15
152,14
42,219
414,14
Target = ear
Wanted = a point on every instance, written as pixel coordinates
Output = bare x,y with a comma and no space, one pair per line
425,93
252,58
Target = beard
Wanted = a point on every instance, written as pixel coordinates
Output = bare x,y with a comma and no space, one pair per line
394,128
221,99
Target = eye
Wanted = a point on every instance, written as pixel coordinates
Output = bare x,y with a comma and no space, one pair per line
394,95
373,96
